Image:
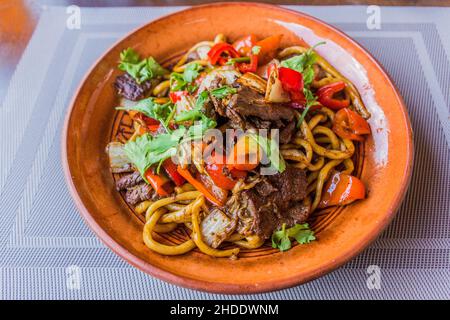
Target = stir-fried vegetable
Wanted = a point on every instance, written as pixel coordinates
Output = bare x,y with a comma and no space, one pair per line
118,160
342,189
218,52
222,174
159,182
186,174
171,169
347,124
160,112
268,47
325,96
216,227
140,70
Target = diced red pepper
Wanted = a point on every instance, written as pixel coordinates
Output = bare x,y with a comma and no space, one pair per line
215,53
342,189
292,82
347,124
151,124
171,170
325,96
249,67
160,183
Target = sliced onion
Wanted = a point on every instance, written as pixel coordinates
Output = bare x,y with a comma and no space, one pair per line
118,160
216,227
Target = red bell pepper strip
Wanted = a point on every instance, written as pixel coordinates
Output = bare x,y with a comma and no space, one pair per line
160,183
249,67
325,96
347,124
342,189
199,186
151,124
221,175
171,170
292,82
215,53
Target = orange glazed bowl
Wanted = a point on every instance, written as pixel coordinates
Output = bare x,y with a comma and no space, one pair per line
384,161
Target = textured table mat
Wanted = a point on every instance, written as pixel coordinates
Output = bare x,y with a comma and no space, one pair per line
47,252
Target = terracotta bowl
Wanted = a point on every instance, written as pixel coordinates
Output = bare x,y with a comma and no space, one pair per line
384,160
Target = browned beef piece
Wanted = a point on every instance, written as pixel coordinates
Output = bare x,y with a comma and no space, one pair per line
287,132
128,88
276,200
138,193
247,102
129,181
291,185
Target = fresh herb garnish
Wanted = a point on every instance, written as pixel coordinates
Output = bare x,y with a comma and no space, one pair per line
183,81
311,100
140,70
223,92
160,112
303,63
196,113
281,239
147,150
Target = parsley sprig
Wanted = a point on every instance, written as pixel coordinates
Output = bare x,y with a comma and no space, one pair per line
140,70
281,239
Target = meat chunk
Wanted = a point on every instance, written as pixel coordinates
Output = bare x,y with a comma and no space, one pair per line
129,181
277,200
139,193
287,132
128,88
247,102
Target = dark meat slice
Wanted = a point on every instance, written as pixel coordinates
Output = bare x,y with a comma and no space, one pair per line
291,184
247,102
287,132
265,188
265,214
139,193
296,214
128,88
129,181
276,200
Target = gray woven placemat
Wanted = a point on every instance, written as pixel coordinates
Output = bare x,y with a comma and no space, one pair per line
46,251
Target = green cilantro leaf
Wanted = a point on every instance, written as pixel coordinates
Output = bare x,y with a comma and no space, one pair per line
303,63
140,70
160,112
182,81
223,92
281,239
311,100
147,150
191,72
